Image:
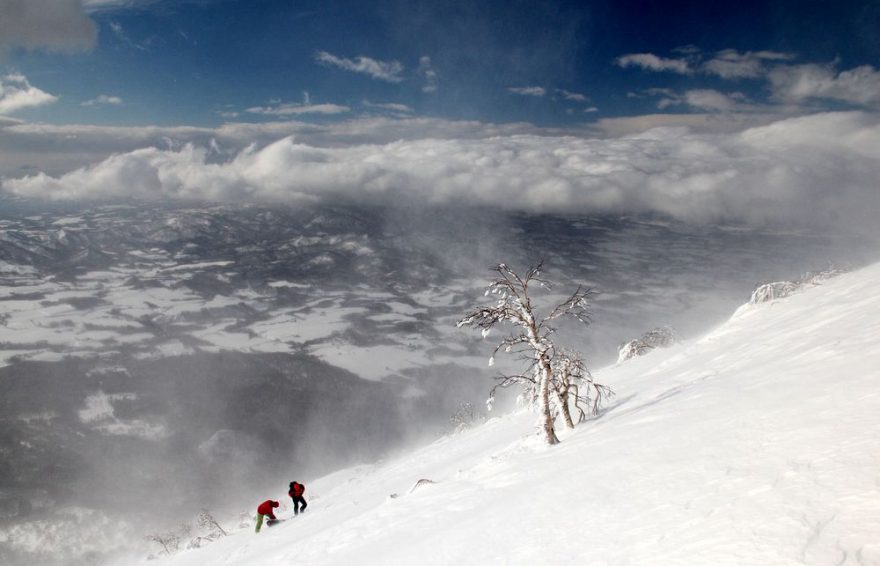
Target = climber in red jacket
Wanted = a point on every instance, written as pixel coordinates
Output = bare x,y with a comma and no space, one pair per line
296,494
265,509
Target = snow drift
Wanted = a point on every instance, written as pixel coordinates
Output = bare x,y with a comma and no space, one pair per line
756,444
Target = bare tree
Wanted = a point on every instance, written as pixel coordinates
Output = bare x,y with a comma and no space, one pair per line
568,372
465,417
170,542
574,385
209,523
532,336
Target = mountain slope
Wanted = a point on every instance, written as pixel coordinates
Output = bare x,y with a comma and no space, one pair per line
757,444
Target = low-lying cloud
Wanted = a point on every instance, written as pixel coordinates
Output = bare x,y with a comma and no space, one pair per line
819,170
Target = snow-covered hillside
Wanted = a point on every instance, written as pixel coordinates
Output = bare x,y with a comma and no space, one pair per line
756,444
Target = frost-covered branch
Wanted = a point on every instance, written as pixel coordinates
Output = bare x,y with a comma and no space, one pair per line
511,344
576,306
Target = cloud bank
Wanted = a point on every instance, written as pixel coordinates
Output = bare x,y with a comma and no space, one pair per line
58,149
815,170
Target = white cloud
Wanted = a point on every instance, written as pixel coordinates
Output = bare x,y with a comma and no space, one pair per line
727,63
390,106
16,93
528,90
61,25
428,74
815,170
713,100
656,92
731,64
103,100
702,99
573,96
632,125
6,121
798,83
715,123
294,109
651,62
383,70
790,84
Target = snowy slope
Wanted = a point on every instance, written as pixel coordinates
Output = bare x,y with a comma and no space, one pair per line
756,444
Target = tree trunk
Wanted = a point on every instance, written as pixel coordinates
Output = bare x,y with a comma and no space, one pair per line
546,413
566,412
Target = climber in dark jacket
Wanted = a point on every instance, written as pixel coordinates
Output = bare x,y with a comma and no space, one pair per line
296,494
265,509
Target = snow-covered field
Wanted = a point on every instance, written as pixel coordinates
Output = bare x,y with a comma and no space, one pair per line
756,444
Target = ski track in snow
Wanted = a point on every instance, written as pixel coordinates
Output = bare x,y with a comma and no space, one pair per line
757,444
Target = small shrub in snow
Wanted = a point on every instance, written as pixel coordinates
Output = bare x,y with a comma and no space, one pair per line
210,525
781,289
465,417
772,291
660,337
170,542
819,277
210,530
532,338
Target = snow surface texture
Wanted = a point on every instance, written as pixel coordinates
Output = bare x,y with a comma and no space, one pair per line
756,444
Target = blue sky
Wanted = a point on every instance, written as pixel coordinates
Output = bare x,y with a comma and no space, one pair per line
168,62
